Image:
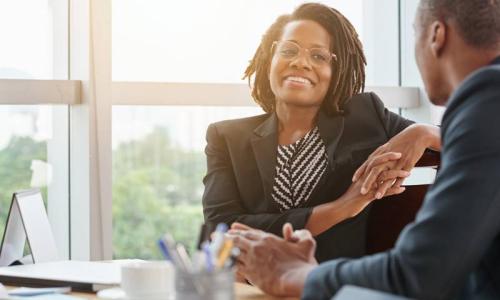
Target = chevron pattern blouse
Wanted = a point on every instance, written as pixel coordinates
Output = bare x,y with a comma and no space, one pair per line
298,170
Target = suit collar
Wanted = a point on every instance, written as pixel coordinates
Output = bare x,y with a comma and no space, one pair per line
496,61
264,145
470,81
268,127
330,129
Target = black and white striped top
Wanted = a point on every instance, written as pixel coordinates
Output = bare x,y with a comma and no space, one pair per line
298,170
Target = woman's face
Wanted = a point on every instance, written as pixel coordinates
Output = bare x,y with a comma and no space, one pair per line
301,80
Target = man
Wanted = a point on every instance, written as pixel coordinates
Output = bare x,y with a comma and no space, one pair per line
452,250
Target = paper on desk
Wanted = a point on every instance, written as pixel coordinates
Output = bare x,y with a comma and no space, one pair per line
26,291
50,297
3,292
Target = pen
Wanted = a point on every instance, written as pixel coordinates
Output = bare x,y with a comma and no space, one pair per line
164,250
208,256
184,257
218,239
170,246
224,253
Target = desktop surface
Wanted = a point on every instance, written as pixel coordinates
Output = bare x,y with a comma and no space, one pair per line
243,292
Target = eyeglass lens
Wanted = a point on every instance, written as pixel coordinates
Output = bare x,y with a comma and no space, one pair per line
290,50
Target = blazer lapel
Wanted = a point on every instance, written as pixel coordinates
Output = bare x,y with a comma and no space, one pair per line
264,145
330,129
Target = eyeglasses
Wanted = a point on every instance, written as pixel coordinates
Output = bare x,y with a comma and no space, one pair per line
289,50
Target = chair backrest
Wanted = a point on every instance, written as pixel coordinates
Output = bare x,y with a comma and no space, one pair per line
390,215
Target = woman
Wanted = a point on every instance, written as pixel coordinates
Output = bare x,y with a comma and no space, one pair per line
295,163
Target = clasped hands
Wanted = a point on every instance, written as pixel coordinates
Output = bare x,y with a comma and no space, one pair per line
387,167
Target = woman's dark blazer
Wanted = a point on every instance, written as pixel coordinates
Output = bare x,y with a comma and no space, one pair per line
241,160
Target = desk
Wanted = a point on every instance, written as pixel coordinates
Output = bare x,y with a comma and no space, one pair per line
247,292
243,292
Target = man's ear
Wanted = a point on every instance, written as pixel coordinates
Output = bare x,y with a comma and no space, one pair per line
438,37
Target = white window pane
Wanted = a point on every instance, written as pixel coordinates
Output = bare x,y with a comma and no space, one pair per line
34,39
381,41
194,40
34,153
158,166
427,112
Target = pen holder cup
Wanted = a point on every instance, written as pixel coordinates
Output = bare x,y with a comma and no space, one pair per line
216,285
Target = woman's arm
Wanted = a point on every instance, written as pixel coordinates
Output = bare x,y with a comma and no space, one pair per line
430,136
350,204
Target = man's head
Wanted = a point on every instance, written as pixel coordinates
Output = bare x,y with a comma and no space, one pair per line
454,37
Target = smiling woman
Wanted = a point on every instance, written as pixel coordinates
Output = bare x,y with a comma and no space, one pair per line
295,162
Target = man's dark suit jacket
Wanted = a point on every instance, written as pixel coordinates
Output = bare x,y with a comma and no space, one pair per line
452,250
241,160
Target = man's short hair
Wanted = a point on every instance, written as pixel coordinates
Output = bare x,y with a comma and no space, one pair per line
478,21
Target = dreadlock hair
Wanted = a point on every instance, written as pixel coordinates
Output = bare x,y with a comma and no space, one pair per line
477,21
348,70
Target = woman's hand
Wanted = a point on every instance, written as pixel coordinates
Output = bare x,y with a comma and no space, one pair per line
354,201
410,144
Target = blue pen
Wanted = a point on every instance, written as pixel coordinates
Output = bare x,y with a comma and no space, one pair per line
221,227
164,250
169,245
208,257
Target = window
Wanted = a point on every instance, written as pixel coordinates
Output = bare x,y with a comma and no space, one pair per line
34,154
427,112
34,39
196,41
158,167
34,139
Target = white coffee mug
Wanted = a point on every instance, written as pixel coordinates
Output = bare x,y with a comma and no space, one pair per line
148,280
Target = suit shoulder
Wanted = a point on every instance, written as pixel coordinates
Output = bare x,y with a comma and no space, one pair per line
365,102
365,106
477,96
361,100
488,73
483,81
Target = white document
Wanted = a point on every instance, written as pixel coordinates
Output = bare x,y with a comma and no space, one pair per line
82,275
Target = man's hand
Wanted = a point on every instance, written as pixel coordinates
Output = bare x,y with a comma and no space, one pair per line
277,266
409,145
